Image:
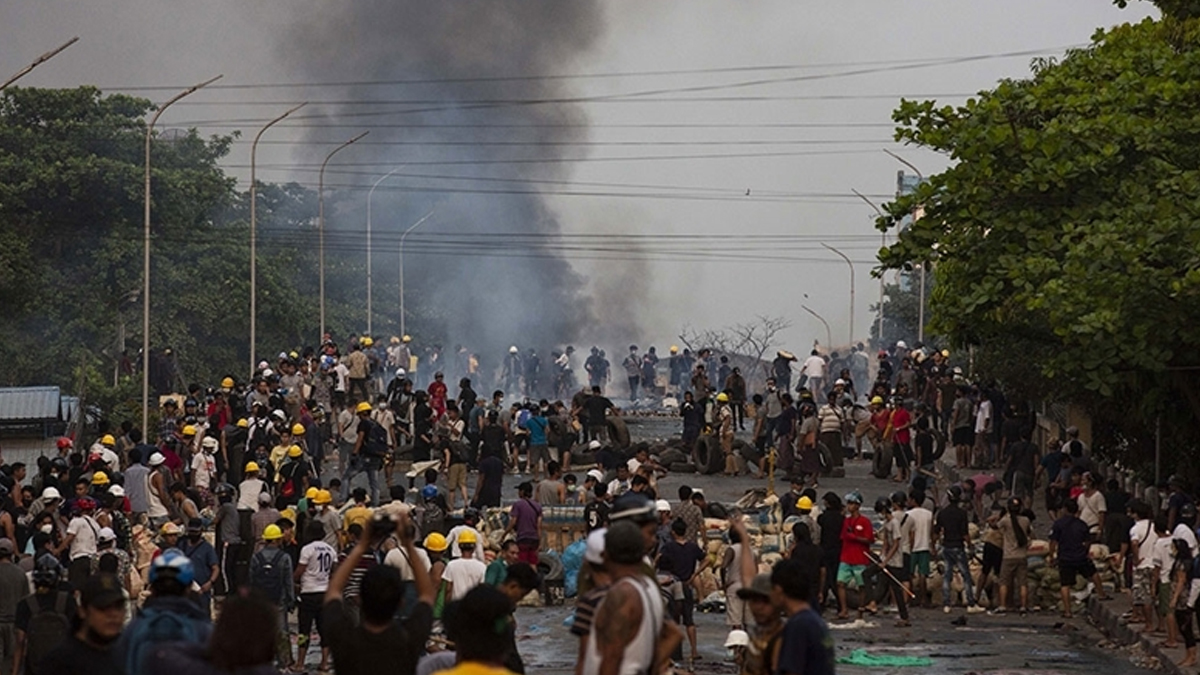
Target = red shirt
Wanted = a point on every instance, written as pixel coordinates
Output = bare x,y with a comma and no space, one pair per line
901,418
855,552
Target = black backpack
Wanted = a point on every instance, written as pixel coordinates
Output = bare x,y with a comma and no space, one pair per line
265,575
47,628
376,442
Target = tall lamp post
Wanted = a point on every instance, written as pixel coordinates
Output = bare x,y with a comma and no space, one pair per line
916,214
254,233
321,222
851,264
828,333
146,256
402,238
882,243
369,195
40,60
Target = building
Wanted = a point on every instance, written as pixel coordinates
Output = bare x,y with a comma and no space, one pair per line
31,420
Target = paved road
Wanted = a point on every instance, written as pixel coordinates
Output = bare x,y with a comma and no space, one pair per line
996,645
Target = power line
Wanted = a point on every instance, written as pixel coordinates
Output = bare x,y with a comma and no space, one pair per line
635,158
580,76
593,144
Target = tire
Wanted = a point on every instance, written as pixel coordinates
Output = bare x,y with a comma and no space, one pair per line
549,567
939,446
881,462
618,433
671,456
709,458
827,464
682,467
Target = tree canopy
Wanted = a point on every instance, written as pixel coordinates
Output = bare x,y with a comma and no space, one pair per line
1067,226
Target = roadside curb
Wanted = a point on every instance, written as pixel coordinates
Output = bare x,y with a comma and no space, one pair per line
1110,624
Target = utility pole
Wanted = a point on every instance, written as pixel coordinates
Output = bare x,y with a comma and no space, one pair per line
321,222
40,60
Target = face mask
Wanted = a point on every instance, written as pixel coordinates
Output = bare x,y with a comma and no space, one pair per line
47,528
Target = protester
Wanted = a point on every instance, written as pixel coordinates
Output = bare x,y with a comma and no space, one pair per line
379,643
168,615
89,647
243,642
806,647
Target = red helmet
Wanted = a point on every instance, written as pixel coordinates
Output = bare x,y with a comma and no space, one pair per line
85,503
65,443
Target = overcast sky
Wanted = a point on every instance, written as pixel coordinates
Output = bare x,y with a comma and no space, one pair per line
132,43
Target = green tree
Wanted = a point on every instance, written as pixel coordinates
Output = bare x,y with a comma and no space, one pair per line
1067,226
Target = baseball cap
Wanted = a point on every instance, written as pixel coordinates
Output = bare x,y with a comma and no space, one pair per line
116,491
760,587
594,445
634,507
597,474
106,534
102,591
594,553
264,498
6,546
195,525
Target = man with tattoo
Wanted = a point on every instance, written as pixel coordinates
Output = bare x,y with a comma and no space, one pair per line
628,633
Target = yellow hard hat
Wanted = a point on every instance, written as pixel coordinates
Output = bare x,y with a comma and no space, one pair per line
108,439
436,542
272,532
295,451
170,528
251,466
367,342
298,429
227,383
99,478
468,537
946,353
674,349
723,397
323,497
407,338
877,400
293,354
288,513
311,492
804,504
362,407
189,430
395,340
243,423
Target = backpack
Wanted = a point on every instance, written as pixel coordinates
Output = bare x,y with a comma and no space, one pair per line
376,443
265,575
47,628
155,626
433,518
523,419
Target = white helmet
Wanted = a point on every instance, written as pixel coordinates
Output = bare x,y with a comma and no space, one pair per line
513,349
901,345
737,638
400,372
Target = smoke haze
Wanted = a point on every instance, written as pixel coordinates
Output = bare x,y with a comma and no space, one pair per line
521,294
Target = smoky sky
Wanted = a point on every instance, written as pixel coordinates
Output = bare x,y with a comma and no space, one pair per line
459,53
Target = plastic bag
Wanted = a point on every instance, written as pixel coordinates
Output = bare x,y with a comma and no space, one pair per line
572,562
860,657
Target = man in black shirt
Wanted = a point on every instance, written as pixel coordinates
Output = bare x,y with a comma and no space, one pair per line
89,648
680,558
597,406
1022,464
595,514
489,483
951,526
378,643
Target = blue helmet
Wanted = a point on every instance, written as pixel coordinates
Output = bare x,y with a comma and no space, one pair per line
173,564
429,492
47,571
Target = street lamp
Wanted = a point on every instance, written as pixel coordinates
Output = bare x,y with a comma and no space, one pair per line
851,264
146,256
882,244
828,333
40,60
321,222
402,238
916,214
369,194
254,233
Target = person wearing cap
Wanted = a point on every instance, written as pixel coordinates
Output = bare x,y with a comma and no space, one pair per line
857,536
158,496
629,631
525,521
106,448
110,558
81,540
204,469
594,581
89,649
681,559
323,511
263,517
294,476
204,558
271,571
466,572
596,512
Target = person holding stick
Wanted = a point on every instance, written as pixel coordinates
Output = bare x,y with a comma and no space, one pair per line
892,560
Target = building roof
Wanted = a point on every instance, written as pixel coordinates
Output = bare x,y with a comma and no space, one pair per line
30,404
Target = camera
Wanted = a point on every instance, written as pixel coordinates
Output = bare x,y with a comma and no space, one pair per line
382,525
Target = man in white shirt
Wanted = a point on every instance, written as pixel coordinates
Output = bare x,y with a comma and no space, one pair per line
465,573
1141,545
921,520
1184,529
814,369
316,563
983,432
83,534
204,465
